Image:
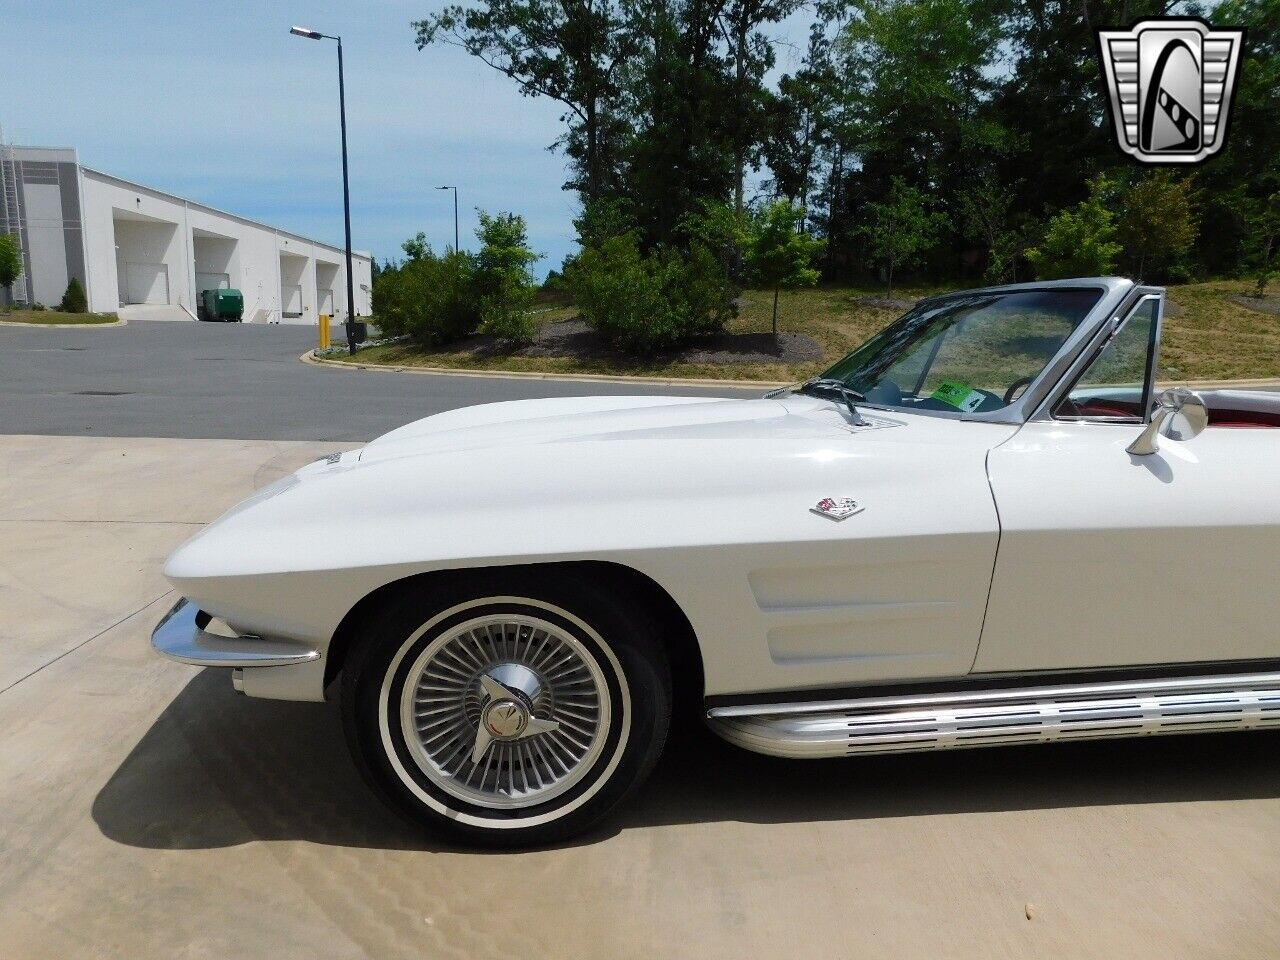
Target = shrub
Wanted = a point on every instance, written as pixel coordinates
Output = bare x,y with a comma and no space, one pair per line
431,299
503,283
506,312
701,293
1079,242
74,300
724,232
646,302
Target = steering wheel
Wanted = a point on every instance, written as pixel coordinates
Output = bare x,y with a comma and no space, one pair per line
1020,382
886,391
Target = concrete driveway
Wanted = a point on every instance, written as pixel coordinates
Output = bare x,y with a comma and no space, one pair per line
148,811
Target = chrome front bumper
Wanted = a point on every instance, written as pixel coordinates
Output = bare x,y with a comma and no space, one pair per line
181,636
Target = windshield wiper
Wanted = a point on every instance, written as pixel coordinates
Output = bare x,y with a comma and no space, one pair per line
846,392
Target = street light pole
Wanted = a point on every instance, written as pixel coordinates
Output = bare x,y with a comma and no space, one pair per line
455,215
346,188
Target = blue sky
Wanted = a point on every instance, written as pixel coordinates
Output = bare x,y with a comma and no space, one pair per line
219,103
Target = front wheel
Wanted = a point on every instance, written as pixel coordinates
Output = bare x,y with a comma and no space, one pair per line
507,710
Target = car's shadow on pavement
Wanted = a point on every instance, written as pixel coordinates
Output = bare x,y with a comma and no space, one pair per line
217,770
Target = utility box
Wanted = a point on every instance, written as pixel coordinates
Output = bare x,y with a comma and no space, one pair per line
224,304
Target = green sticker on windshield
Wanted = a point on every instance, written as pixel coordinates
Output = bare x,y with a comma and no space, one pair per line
959,395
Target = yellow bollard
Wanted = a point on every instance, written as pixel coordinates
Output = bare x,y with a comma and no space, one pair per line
324,331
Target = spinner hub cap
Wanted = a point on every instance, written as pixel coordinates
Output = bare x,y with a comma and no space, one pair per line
505,711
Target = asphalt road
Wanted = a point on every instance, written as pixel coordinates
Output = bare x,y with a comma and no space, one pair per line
232,381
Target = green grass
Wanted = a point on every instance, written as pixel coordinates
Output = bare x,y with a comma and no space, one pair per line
1211,338
55,318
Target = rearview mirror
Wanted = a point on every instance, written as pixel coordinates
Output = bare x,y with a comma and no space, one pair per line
1180,414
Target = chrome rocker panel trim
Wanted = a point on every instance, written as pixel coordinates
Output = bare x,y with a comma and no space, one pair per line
181,636
1045,714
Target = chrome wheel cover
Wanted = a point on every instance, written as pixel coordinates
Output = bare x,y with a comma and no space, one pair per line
505,711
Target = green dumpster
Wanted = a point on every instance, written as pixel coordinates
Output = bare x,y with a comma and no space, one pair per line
225,304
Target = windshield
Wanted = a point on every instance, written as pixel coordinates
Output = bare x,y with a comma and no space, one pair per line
971,353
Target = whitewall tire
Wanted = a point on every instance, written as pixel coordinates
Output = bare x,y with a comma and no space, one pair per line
506,709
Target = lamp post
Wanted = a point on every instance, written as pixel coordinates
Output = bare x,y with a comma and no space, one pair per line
455,215
346,191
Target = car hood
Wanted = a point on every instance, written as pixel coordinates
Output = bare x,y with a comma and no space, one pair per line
502,426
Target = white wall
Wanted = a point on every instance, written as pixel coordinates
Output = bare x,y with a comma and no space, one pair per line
293,289
253,263
137,241
215,256
328,275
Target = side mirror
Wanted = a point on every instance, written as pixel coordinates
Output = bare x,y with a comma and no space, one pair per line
1180,414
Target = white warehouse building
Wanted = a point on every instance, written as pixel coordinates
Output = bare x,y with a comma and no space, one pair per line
145,253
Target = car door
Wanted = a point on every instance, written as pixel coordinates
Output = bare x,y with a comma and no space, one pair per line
1107,558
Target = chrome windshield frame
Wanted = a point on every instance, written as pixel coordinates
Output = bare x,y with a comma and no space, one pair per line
1103,335
1117,296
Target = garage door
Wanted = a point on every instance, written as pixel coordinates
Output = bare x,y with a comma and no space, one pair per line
146,283
212,281
291,301
325,300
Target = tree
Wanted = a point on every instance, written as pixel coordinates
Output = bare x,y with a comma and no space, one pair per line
1264,241
779,257
751,57
10,260
985,209
681,150
504,284
800,115
1157,223
902,228
571,52
1079,242
1248,161
74,300
919,77
416,247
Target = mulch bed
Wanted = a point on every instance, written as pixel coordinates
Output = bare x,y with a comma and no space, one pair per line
1261,304
574,339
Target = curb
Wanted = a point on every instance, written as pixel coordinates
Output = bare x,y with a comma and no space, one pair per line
685,381
64,326
308,357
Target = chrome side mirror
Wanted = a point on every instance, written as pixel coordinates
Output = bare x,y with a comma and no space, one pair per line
1180,414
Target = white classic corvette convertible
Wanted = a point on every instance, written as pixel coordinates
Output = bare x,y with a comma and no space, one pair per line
985,526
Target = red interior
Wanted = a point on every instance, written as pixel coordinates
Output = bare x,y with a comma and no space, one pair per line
1239,409
1097,408
1249,409
1219,417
